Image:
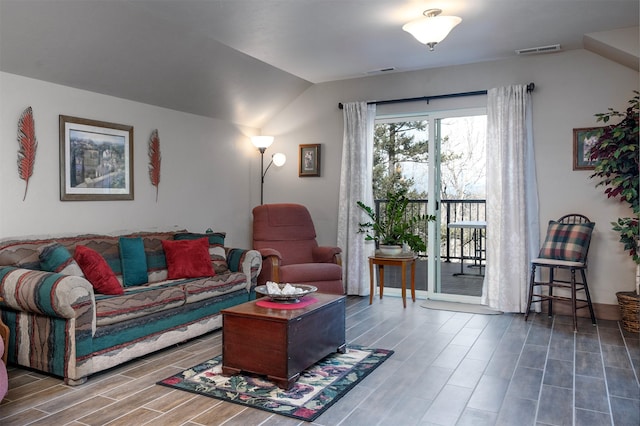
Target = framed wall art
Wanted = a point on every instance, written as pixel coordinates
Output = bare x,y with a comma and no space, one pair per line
96,160
583,139
309,160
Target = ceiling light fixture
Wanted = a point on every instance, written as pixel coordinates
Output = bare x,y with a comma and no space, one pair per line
431,29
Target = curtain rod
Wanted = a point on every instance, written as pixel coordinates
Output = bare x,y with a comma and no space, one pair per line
530,88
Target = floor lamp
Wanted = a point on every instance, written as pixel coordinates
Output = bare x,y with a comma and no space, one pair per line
262,143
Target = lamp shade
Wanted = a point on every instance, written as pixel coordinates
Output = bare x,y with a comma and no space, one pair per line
279,159
431,29
262,141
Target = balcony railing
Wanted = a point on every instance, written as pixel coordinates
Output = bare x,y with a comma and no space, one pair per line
453,245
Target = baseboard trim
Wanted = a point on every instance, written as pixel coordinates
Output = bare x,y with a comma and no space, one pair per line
602,311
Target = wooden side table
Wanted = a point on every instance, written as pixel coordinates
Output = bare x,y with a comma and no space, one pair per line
402,262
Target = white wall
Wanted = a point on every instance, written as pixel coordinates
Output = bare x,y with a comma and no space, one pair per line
206,174
210,172
570,88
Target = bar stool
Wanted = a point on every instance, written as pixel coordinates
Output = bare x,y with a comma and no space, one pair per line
565,248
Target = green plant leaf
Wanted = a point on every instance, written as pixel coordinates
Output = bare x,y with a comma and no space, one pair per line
617,170
394,224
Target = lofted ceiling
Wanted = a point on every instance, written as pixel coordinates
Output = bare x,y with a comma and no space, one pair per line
244,60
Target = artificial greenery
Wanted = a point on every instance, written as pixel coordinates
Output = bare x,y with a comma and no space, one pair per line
395,225
616,153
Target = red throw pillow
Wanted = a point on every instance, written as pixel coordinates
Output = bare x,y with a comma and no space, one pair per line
188,258
97,271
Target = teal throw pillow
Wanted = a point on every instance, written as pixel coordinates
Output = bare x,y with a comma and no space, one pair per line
215,238
55,257
134,261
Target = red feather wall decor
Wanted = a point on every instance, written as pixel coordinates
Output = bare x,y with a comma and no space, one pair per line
28,145
154,160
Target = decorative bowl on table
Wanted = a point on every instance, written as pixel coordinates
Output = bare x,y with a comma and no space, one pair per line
286,297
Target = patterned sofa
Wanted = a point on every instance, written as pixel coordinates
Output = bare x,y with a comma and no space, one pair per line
60,324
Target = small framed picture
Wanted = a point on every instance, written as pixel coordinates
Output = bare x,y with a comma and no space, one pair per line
309,159
583,139
96,160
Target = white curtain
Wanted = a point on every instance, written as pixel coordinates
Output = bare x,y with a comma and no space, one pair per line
512,199
356,178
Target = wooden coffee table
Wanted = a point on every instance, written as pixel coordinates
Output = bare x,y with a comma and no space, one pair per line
281,343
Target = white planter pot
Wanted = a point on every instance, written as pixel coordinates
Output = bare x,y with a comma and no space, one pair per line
388,250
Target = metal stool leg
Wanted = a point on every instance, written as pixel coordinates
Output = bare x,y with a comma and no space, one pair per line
573,300
586,292
550,302
531,285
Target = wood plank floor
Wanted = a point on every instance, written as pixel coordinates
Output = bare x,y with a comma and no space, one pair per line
448,369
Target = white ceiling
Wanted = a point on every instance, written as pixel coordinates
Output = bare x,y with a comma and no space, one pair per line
243,60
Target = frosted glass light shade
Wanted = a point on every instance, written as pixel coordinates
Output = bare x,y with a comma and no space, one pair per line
431,30
262,141
279,159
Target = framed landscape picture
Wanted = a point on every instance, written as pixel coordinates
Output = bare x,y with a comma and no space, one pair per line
309,160
583,139
96,160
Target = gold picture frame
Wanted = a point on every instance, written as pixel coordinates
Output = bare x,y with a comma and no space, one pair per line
96,160
309,160
583,138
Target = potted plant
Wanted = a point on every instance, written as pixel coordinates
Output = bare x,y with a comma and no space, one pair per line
616,153
394,226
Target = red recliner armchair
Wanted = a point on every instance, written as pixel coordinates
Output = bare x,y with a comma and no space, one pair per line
285,236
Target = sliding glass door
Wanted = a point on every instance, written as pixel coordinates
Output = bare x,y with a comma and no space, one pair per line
457,239
440,159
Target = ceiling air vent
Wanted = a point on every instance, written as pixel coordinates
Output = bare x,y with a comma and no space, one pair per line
381,70
541,49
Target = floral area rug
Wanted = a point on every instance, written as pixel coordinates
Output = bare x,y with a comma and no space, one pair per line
318,387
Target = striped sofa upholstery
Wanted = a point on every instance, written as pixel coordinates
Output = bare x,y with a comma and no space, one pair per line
59,325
